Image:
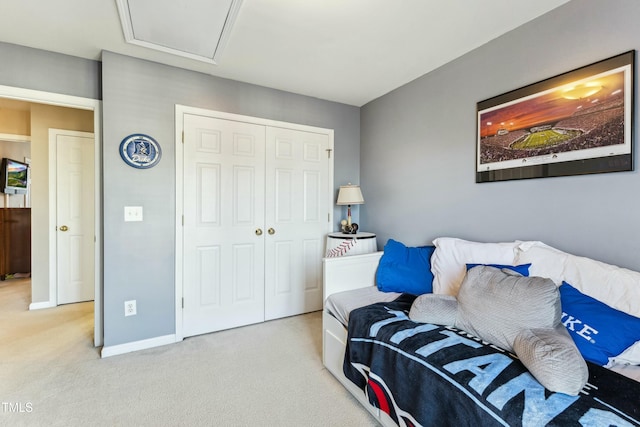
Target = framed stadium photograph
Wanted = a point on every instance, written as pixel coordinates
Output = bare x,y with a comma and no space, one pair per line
579,122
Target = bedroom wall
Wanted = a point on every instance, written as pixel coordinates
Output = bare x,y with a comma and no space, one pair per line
418,146
140,96
49,71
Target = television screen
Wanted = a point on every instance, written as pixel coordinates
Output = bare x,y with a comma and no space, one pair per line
15,176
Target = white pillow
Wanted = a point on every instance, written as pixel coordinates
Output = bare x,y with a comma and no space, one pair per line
615,286
451,256
545,261
630,356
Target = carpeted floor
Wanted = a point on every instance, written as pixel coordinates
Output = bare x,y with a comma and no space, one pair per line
270,374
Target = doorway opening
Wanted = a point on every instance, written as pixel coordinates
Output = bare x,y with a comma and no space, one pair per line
51,110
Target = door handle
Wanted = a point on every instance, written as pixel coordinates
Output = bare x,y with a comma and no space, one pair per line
258,231
271,231
64,228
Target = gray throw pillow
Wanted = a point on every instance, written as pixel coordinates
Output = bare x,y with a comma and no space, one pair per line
503,308
434,308
550,355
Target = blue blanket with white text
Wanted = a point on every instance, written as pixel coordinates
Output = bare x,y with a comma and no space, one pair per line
428,375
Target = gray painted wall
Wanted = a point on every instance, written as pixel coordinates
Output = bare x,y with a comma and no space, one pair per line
418,147
49,72
140,96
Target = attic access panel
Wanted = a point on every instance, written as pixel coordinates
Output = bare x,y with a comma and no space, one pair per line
197,29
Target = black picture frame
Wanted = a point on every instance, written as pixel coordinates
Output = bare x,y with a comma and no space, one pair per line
579,122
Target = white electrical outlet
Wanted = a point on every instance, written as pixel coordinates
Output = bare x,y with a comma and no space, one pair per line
130,308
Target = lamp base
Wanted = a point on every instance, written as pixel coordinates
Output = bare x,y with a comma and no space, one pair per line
349,228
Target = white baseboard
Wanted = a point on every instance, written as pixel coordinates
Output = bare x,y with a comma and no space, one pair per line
114,350
40,305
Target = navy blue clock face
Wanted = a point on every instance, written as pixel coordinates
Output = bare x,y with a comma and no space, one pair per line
140,151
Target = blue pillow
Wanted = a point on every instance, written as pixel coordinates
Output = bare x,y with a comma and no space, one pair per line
405,269
599,331
522,269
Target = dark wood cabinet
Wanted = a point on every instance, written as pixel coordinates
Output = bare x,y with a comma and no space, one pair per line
15,241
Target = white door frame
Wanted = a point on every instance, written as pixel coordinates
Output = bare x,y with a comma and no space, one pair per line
181,110
79,103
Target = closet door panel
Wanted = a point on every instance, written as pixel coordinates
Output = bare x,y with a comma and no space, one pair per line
223,256
296,211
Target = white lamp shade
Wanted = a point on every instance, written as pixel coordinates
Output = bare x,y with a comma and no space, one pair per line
350,195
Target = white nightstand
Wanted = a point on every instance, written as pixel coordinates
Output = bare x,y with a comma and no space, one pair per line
341,244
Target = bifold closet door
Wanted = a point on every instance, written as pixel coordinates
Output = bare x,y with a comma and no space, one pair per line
223,236
297,194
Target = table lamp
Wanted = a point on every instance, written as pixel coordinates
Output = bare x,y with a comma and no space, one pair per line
350,195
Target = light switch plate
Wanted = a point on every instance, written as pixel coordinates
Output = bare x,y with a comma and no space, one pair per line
133,213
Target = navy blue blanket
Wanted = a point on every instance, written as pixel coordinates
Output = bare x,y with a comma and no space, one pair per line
429,375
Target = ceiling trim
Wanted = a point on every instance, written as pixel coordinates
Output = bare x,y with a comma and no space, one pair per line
127,29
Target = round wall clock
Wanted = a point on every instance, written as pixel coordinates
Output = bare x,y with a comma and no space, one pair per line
140,151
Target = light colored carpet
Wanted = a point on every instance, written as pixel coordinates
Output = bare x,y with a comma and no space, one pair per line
270,374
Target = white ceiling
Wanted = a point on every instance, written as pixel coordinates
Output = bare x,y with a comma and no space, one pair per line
349,51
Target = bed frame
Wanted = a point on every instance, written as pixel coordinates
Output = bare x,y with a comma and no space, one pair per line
359,271
344,274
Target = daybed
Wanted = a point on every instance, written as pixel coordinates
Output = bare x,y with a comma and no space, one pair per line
405,372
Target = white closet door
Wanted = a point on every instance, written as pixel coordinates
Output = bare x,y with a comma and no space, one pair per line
223,256
297,214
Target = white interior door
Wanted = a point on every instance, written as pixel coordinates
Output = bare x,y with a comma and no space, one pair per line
75,216
297,219
223,232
